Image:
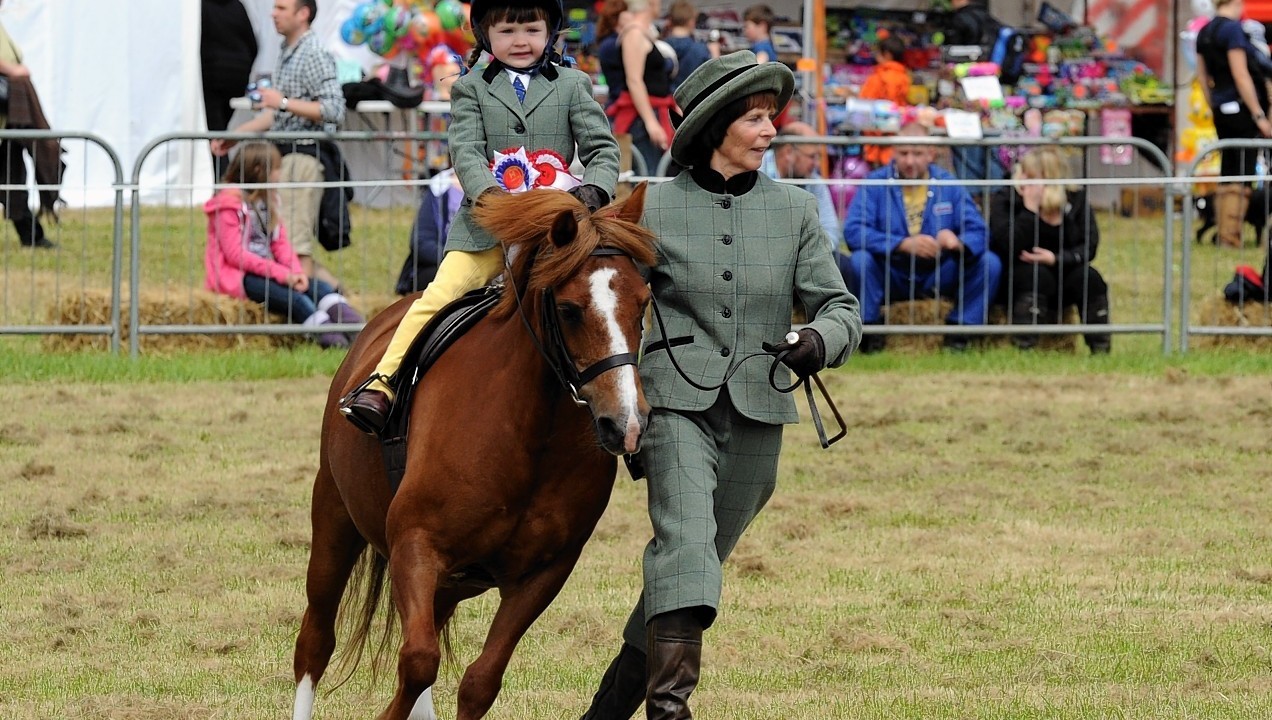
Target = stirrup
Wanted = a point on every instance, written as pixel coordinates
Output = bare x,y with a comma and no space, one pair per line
344,404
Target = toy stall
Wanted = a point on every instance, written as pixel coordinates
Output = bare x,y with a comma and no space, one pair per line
1057,78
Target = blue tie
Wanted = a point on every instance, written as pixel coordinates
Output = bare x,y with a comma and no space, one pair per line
520,88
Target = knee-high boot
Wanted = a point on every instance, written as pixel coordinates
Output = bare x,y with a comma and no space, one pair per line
675,660
1027,310
1231,202
622,687
1096,312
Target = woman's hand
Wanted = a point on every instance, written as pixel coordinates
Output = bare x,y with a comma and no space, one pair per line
298,282
1264,125
17,70
1038,256
658,136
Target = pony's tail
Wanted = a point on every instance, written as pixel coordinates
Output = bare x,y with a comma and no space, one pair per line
370,580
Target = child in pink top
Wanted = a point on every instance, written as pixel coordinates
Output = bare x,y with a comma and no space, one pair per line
248,255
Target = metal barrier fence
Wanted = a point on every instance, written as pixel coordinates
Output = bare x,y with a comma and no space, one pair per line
1222,261
1142,298
44,278
167,242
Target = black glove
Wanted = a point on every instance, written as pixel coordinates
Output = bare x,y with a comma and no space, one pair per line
591,196
807,355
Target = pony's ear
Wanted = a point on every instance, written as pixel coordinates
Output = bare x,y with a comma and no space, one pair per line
564,228
634,205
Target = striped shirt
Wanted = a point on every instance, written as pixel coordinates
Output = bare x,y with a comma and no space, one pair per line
308,72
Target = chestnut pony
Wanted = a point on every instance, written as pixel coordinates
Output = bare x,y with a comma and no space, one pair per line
508,466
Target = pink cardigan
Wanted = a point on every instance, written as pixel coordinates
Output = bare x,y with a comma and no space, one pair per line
227,259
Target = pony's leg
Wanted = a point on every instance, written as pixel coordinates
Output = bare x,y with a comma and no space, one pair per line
335,549
519,606
416,575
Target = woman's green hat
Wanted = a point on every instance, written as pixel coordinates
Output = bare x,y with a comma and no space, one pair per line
717,83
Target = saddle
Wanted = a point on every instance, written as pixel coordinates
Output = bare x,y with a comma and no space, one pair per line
447,326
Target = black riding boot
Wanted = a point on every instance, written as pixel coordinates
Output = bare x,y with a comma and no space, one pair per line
622,687
1027,310
675,658
1097,313
31,233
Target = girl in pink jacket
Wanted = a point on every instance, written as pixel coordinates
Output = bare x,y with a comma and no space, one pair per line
248,255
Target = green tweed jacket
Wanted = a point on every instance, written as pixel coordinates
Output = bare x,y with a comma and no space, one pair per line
727,270
486,116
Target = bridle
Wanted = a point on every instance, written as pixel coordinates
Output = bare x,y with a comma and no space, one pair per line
552,346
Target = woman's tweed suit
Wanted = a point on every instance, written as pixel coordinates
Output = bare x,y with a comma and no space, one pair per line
731,256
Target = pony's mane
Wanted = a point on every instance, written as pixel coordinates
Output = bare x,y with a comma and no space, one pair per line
523,224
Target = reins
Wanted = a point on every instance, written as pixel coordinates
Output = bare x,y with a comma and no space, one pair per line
777,362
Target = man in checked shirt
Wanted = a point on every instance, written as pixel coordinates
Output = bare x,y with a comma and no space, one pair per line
305,97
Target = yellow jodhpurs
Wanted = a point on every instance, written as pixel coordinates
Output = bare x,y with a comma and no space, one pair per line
459,272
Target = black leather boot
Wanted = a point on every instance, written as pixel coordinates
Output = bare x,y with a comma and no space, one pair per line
675,660
1097,313
31,233
1027,310
622,687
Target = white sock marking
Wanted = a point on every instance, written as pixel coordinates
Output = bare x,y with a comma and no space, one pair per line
304,708
423,709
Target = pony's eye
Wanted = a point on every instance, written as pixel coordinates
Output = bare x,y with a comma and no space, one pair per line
571,313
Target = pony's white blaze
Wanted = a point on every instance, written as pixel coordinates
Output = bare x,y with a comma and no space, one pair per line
605,300
304,708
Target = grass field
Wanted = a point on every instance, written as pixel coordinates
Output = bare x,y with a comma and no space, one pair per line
999,537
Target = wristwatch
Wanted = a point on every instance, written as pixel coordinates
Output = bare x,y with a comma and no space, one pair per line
282,105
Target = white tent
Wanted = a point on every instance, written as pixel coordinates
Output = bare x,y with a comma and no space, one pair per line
129,72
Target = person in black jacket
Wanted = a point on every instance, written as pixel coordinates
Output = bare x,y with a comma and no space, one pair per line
1047,236
971,24
227,49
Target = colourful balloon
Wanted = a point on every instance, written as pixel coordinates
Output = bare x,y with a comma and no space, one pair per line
351,33
368,17
450,13
397,21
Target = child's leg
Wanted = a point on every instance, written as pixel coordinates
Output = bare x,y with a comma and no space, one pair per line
458,273
278,298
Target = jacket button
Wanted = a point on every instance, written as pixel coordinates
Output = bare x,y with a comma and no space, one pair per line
726,203
727,239
726,313
726,275
519,128
724,352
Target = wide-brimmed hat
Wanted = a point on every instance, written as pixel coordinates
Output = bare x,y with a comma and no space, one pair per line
717,83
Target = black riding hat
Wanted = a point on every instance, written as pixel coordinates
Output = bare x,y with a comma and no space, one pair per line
478,9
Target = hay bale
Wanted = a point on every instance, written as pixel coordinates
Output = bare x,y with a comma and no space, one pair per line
1217,311
934,311
178,307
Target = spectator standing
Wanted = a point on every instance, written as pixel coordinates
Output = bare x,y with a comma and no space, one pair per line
682,18
1047,236
734,247
889,81
1238,99
305,97
25,112
227,50
248,255
971,24
610,21
918,240
643,107
757,28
